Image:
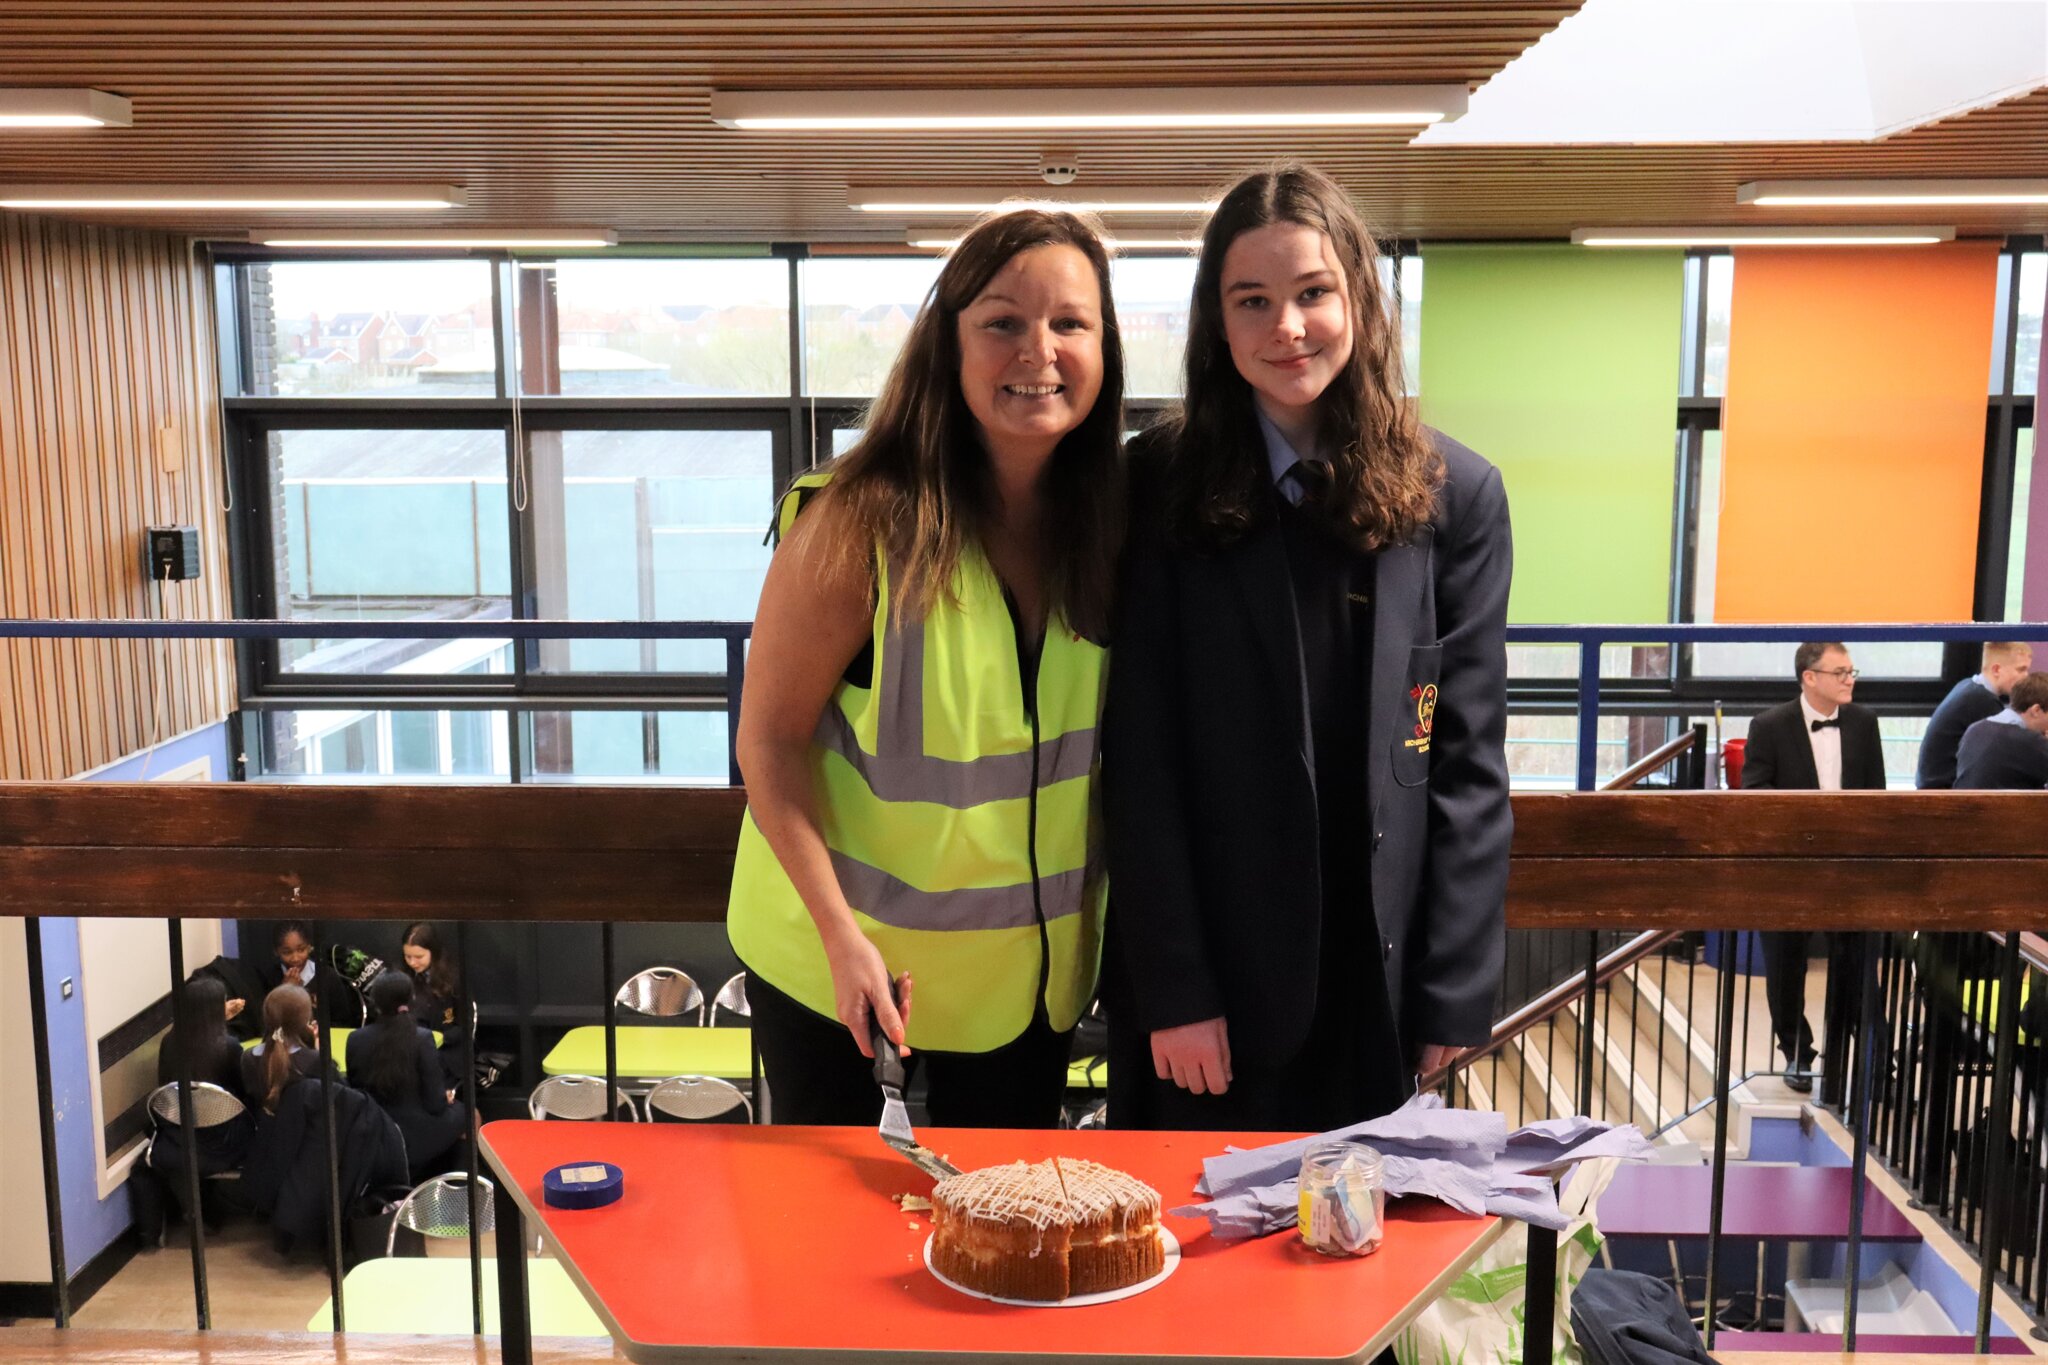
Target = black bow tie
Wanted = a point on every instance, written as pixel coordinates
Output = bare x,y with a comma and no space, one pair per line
1833,722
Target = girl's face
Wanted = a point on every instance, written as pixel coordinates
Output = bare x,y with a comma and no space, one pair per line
293,950
417,959
1031,350
1286,315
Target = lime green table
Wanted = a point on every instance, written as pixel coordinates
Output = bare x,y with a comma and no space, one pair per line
1088,1073
430,1295
652,1053
337,1039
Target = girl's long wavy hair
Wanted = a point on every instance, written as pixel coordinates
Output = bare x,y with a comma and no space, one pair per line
918,481
444,973
1384,471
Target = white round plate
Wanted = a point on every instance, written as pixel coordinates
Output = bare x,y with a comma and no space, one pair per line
1168,1243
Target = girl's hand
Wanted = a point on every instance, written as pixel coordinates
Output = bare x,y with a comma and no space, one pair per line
1195,1057
861,989
235,1007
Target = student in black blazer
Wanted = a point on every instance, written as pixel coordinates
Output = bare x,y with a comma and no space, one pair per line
1819,741
1304,769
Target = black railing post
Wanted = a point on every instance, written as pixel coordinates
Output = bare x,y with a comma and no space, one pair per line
735,684
329,1074
515,1341
1589,715
1724,1031
1864,955
188,1131
611,1030
474,1192
1586,1039
46,1121
2003,1058
1539,1297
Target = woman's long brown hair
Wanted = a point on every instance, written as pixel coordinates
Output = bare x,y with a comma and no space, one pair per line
1385,472
287,1019
918,480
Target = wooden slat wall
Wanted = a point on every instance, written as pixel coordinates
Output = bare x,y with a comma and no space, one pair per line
104,337
600,114
1624,860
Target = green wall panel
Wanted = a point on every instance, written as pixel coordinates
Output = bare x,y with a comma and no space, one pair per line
1560,365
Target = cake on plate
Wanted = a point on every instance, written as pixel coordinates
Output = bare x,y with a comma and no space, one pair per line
1045,1230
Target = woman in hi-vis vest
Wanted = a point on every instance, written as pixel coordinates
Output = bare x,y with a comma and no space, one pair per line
918,733
1304,767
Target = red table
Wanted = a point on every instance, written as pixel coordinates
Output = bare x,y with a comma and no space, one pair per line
775,1243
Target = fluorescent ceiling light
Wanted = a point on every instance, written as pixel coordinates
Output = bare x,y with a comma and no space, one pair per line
297,198
1889,193
53,108
559,239
966,199
1832,235
920,238
983,110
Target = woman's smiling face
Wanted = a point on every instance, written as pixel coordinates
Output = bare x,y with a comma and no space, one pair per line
1286,315
1031,350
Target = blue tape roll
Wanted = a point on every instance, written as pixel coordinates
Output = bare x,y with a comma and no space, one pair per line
583,1185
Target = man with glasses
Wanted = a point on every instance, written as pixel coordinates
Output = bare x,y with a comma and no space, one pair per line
1820,741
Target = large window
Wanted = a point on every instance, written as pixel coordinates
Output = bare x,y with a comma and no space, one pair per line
482,438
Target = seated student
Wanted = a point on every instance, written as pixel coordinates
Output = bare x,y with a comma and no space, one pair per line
291,963
199,1034
437,1001
287,1052
393,1059
2009,751
1973,699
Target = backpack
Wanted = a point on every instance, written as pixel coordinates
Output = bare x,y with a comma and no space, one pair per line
1624,1318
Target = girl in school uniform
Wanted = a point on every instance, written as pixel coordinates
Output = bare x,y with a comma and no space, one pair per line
1304,769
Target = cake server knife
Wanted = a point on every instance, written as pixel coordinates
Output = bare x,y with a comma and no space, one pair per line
895,1127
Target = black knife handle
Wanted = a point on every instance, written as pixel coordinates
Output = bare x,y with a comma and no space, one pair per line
888,1061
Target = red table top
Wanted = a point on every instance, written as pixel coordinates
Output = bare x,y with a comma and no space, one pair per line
1765,1203
737,1241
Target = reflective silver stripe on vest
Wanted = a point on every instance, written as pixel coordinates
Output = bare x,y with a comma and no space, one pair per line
900,770
960,784
897,903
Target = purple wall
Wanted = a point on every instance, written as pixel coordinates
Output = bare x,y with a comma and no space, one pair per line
92,1224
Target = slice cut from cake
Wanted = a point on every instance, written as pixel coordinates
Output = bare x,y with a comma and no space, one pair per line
1046,1230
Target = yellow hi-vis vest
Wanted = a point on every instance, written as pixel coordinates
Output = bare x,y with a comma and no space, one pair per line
964,828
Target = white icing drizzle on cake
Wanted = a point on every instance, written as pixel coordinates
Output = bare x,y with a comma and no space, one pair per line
1020,1192
1042,1193
1094,1190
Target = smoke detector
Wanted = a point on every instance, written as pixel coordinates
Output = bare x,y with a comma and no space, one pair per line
1058,168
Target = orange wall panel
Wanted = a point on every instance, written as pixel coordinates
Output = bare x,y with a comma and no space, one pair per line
1853,433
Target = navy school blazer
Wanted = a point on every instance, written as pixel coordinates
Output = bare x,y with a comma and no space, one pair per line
1209,792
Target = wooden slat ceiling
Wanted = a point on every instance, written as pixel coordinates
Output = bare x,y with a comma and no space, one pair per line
553,114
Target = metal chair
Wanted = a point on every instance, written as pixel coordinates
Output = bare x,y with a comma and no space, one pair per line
1096,1117
695,1099
576,1097
732,998
211,1105
661,993
440,1208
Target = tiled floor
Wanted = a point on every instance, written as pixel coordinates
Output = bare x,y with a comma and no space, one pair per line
249,1286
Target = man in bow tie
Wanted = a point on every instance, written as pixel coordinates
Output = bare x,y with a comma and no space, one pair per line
1820,741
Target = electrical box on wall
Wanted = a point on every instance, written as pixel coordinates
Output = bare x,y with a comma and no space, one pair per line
173,552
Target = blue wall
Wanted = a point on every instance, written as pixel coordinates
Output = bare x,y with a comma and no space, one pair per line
91,1224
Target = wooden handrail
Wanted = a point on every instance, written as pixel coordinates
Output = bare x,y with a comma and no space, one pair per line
1557,998
1649,763
1634,861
